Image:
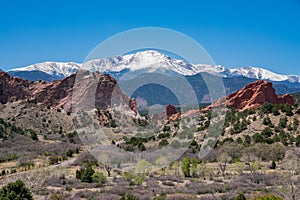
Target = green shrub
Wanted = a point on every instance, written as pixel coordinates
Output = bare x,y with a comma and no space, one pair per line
273,165
128,197
267,132
283,122
163,143
166,128
275,111
267,108
269,197
129,148
99,178
163,135
185,166
298,141
141,147
160,197
247,140
239,140
85,174
128,176
69,153
240,196
267,121
69,188
15,191
33,135
53,160
72,134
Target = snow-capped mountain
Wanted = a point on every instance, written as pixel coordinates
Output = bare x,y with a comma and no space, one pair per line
260,73
52,68
149,61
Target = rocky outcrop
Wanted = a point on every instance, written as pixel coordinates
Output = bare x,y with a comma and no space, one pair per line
174,117
55,94
170,110
253,96
133,106
82,89
172,114
12,88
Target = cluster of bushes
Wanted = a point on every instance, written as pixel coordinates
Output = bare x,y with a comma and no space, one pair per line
189,166
89,175
71,136
275,108
272,134
264,152
16,191
241,196
136,142
204,122
163,135
194,146
163,143
239,126
7,129
5,172
239,120
133,179
166,128
128,197
233,116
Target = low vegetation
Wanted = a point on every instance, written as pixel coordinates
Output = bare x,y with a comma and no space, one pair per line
256,157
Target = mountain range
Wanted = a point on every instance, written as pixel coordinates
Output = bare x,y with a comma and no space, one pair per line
154,61
151,61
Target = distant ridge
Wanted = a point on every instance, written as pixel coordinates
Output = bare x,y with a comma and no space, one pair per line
148,61
154,61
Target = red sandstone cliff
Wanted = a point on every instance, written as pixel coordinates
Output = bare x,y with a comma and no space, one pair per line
253,96
98,90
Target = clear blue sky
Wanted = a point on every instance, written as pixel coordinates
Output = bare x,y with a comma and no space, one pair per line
235,33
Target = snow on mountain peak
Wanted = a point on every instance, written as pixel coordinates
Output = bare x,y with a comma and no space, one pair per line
151,61
260,73
53,68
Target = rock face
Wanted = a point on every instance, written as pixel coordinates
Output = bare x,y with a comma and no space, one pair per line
170,110
174,117
253,96
84,88
12,88
133,106
172,114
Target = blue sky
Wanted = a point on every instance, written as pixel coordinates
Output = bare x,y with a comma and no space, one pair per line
235,33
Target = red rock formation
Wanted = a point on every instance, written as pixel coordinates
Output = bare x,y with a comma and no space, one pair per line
12,88
132,105
253,96
88,89
170,110
174,117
